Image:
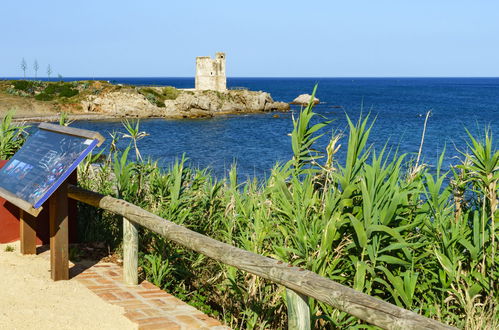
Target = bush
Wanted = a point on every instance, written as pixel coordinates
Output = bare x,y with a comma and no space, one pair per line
24,85
44,97
52,89
158,97
152,96
62,89
68,92
170,93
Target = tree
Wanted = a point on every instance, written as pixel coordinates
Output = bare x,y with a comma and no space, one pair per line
24,66
49,71
36,67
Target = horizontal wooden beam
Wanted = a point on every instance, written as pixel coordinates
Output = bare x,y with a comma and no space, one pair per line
358,304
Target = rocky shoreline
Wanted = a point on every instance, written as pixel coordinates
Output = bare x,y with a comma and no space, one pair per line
187,104
37,101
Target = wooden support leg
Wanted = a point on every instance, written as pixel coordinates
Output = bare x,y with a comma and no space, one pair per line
27,232
59,247
130,252
298,311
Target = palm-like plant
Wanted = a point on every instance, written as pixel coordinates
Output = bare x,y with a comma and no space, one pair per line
134,133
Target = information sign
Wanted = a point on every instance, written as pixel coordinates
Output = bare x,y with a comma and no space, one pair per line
43,163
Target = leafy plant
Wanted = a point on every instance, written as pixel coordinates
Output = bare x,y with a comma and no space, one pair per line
12,136
421,239
156,269
134,133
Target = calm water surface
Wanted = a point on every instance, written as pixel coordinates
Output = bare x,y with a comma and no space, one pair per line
257,141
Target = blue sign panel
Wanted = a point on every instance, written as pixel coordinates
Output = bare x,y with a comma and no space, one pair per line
43,163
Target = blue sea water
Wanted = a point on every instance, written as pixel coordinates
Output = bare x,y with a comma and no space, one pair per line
257,141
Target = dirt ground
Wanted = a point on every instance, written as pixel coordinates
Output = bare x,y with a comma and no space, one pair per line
24,107
29,299
31,110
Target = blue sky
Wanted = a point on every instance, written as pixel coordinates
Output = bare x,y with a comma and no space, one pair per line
261,38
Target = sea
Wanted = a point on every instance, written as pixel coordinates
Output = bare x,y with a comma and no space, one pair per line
397,108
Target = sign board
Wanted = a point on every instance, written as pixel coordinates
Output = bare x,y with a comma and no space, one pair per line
43,163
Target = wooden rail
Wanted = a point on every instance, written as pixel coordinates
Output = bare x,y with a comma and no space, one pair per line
302,283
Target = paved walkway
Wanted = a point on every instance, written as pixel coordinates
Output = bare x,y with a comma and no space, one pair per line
145,304
29,299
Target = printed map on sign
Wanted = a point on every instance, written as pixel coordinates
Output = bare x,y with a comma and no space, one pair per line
42,164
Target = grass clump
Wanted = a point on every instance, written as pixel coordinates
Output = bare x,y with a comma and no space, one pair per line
9,248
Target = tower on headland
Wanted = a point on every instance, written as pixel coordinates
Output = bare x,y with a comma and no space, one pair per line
210,73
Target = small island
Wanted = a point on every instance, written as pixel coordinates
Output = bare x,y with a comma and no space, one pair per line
93,99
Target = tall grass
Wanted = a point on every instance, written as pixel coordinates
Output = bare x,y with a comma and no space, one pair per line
423,240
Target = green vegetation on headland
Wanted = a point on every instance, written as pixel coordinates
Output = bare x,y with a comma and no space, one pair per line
62,91
384,224
159,95
104,98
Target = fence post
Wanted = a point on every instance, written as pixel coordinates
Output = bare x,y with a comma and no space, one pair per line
130,253
298,311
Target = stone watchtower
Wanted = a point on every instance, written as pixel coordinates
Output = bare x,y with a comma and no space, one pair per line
210,73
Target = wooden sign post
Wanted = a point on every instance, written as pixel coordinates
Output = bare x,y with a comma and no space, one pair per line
27,233
38,172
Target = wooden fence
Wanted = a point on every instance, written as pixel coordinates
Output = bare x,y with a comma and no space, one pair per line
300,284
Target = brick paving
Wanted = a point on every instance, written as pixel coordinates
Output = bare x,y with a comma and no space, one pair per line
145,304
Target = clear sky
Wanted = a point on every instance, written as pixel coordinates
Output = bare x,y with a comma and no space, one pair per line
153,38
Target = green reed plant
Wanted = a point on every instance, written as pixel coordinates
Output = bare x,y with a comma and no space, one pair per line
371,222
12,135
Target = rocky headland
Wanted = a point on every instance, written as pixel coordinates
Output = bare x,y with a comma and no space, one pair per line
100,99
152,102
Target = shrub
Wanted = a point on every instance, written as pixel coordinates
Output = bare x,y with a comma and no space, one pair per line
158,97
62,89
68,92
51,89
24,85
152,96
170,93
44,97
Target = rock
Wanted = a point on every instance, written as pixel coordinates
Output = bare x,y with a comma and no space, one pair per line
209,103
304,99
125,103
281,106
188,103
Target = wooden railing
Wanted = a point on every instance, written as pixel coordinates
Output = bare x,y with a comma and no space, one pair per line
300,283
